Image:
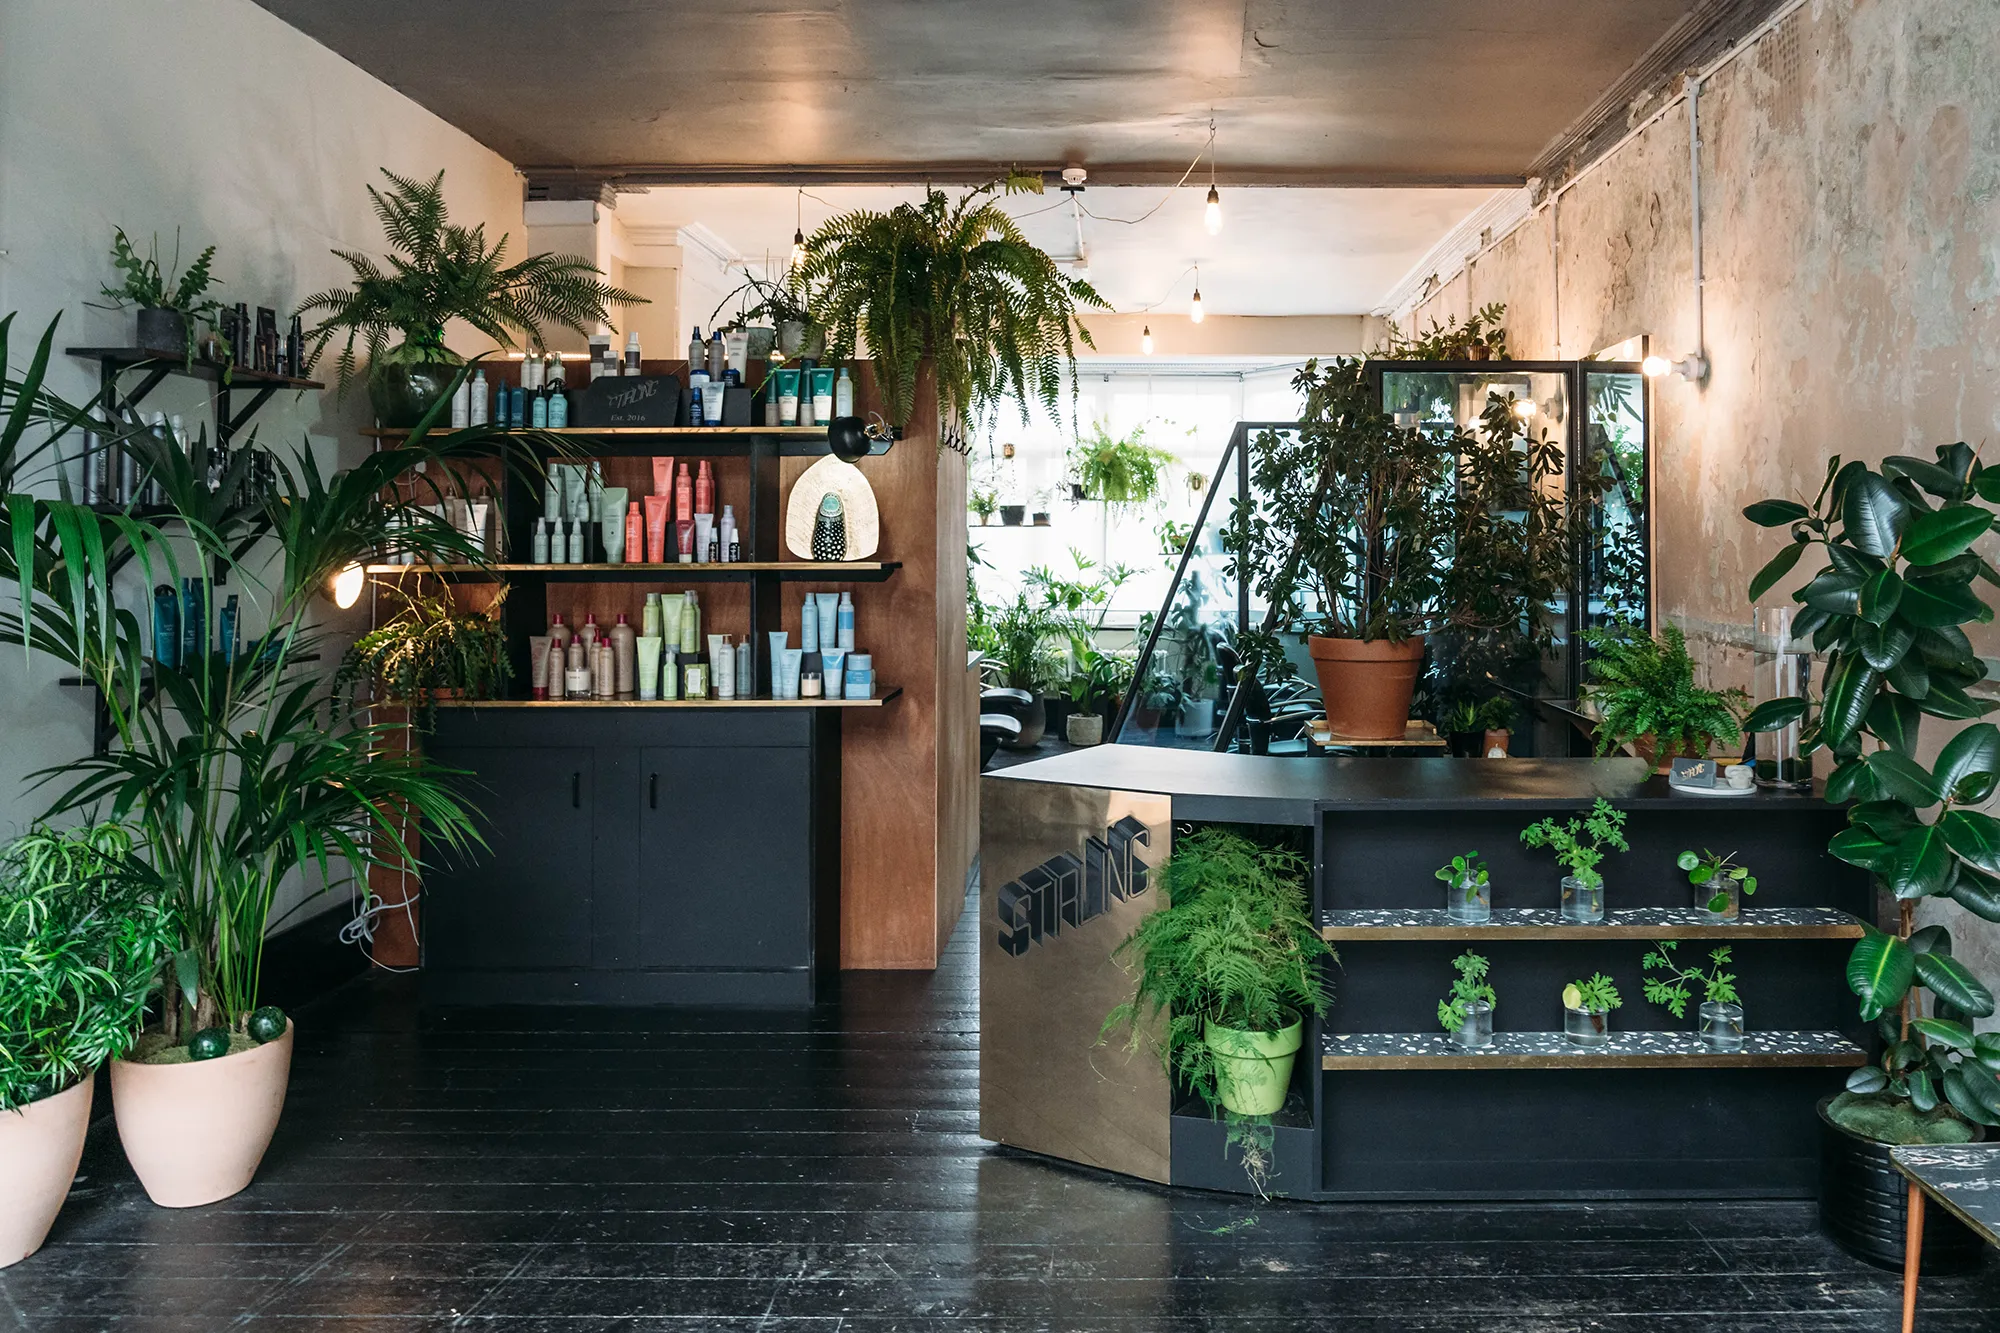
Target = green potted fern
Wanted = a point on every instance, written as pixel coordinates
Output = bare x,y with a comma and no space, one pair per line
1232,967
1645,696
443,272
430,650
1118,471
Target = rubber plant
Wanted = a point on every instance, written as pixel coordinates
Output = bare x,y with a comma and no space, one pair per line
1888,609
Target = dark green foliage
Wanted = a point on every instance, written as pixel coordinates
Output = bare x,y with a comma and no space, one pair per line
441,272
1579,843
1125,471
427,646
1888,1119
81,940
1708,868
1672,987
1450,341
148,284
1645,687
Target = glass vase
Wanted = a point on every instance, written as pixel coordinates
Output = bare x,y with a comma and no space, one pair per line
1587,1027
1723,889
1582,903
1779,669
1722,1026
1467,902
1476,1030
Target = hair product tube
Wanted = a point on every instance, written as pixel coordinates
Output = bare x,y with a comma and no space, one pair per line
829,617
792,662
691,625
746,671
663,475
538,665
648,649
635,534
656,529
778,638
704,536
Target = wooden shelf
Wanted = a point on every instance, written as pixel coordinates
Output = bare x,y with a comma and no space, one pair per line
1637,923
648,432
884,697
691,441
1552,1050
805,571
240,377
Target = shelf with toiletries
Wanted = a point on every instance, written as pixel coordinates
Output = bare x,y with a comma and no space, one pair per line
888,692
819,571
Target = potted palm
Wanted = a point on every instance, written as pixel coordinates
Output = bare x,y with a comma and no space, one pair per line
442,272
236,769
1028,654
952,284
430,650
1645,696
1232,965
81,942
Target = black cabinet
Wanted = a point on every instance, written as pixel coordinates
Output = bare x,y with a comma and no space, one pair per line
641,856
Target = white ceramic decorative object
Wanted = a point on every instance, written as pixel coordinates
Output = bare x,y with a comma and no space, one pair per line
196,1132
40,1146
857,500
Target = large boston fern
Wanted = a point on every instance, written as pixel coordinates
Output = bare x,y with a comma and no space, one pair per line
1887,611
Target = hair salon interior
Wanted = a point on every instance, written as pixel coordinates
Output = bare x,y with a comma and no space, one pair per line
1154,666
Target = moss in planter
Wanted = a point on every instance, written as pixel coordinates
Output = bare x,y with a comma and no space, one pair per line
1893,1120
155,1048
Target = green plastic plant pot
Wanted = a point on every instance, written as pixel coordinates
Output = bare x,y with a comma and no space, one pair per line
1255,1067
401,392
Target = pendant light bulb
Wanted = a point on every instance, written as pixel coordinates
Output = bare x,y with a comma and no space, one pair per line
1146,340
1212,215
347,586
799,229
1195,315
798,248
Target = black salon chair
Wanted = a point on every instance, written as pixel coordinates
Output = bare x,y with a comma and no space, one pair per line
1020,705
995,730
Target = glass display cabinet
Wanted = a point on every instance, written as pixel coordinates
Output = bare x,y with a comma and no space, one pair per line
1187,691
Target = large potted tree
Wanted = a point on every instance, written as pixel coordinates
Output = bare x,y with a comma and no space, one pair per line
235,768
81,942
441,272
1887,610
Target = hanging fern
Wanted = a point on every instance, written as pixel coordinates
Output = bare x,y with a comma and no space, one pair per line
956,284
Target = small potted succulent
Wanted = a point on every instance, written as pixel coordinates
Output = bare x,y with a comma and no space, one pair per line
1721,1007
1467,1013
1468,896
1580,844
1720,885
1587,1007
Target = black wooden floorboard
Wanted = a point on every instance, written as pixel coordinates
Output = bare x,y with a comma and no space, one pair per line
635,1170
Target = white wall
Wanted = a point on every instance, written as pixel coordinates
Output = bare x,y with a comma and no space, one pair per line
217,118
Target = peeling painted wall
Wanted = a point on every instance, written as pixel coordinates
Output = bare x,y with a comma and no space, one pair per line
1850,184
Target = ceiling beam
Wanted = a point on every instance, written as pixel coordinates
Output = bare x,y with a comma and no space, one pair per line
558,181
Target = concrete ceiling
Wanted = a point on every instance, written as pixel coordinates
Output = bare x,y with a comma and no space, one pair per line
1280,252
1326,92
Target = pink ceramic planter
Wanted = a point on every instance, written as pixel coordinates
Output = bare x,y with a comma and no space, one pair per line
40,1145
196,1132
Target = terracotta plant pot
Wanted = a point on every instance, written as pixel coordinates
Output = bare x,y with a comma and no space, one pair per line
1494,744
1648,748
196,1132
40,1145
1367,684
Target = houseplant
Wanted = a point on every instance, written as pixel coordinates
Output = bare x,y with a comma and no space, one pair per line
1645,695
1887,609
1467,1012
1028,654
1095,690
234,770
1482,337
81,942
1232,966
1721,1007
982,502
1468,896
1580,845
787,302
1115,470
169,305
440,272
430,649
1474,728
1587,1007
1720,884
955,284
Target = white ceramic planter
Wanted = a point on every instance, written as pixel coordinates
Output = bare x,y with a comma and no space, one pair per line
196,1132
40,1145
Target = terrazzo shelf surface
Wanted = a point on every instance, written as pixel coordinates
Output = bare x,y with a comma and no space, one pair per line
1553,1050
1964,1177
1538,923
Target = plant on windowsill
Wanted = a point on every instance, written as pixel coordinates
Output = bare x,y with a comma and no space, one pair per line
1581,844
1645,696
1719,882
169,306
1227,972
1118,470
429,650
1587,1007
81,943
443,272
1467,1012
983,503
1721,1008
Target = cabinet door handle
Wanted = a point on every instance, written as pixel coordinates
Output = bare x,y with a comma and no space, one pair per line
653,792
576,790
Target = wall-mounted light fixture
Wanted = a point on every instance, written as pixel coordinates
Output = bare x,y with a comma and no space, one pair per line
1692,367
346,586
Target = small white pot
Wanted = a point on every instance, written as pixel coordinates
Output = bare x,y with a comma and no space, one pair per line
1084,728
40,1145
196,1132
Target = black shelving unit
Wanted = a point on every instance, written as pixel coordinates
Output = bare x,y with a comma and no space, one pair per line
113,362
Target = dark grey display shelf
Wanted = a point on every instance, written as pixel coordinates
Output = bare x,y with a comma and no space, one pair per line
1553,1050
127,358
735,571
1634,923
689,441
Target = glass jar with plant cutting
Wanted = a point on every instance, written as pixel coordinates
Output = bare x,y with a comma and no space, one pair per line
1721,1007
1467,1012
1587,1007
1468,896
1720,885
1581,845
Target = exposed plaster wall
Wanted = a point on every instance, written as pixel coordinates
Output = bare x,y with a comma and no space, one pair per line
1850,179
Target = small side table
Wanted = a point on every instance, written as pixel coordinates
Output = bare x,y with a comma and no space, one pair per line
1965,1180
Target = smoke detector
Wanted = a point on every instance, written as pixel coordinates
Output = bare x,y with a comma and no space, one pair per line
1073,177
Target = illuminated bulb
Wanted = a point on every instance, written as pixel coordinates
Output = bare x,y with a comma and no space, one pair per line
1692,367
1656,366
798,247
1525,409
1146,340
1194,308
347,586
1212,215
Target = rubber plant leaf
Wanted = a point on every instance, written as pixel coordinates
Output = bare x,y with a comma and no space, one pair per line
1849,693
1933,538
1778,566
1903,778
1888,820
1873,513
1953,982
1977,892
1923,1095
1969,763
1775,513
1865,848
1937,480
1867,1079
1894,721
1878,597
1835,592
1930,605
1955,1035
1922,865
1852,781
1954,704
1774,713
1884,645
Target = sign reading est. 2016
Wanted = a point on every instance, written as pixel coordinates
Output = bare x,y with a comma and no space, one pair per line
1066,890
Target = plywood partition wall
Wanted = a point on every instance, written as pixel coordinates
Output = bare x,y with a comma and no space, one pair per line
909,770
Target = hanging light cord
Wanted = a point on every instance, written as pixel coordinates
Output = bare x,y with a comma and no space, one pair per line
1207,151
1191,268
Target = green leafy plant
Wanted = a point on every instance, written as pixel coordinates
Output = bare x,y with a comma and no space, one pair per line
426,647
958,285
1234,945
1451,341
1081,600
1494,714
786,300
1101,679
983,502
1598,995
1465,873
1672,988
1887,610
147,284
1029,646
81,944
1708,868
1119,471
1644,689
1468,989
1580,843
440,272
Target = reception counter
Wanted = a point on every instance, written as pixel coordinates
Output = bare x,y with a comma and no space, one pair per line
1382,1105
